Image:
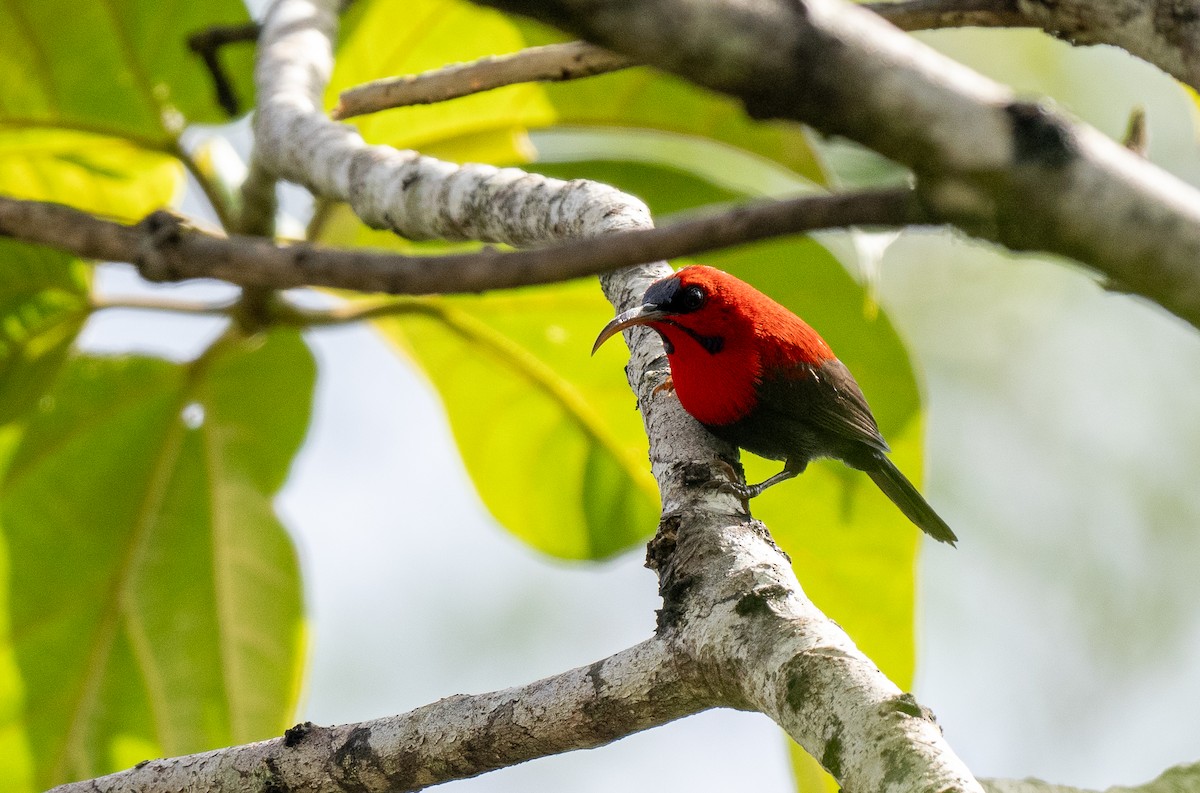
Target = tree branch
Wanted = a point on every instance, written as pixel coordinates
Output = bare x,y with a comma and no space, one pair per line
164,247
933,14
453,738
552,62
1163,32
1015,172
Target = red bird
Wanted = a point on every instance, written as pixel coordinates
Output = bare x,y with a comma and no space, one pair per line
757,376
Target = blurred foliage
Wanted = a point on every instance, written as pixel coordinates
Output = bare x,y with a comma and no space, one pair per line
43,303
120,69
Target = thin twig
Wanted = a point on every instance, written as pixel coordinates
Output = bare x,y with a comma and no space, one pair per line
208,43
166,248
136,303
552,62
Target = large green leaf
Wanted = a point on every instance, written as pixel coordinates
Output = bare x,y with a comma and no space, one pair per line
16,759
553,444
155,598
107,176
120,68
43,303
440,32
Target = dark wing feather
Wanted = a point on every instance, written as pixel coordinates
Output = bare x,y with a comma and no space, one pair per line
825,396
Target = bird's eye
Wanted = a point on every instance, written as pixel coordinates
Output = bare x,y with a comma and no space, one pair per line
691,298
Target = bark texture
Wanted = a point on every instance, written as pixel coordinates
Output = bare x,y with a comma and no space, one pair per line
1165,33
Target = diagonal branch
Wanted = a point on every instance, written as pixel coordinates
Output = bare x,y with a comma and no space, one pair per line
552,62
166,248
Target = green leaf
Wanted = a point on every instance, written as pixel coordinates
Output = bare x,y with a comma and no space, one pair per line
106,176
649,99
552,442
155,598
43,304
120,68
16,759
442,32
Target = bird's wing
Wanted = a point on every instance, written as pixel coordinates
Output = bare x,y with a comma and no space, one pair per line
827,396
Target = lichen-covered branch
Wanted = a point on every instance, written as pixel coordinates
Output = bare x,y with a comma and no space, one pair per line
453,738
1016,172
551,62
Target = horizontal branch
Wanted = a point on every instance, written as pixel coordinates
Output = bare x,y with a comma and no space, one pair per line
552,62
453,738
166,248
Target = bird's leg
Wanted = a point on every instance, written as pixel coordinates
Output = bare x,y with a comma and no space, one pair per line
746,492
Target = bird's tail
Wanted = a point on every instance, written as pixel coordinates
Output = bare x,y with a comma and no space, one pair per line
902,493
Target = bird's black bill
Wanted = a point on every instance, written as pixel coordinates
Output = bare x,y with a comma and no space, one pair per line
647,312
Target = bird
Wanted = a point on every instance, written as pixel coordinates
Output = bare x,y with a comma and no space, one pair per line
760,378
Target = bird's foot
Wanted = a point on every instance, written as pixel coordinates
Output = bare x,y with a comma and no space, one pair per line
665,386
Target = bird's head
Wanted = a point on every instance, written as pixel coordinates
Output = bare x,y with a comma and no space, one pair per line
705,310
697,306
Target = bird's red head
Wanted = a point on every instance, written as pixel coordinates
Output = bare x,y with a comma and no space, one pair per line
721,335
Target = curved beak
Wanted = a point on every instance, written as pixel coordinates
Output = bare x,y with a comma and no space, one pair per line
641,315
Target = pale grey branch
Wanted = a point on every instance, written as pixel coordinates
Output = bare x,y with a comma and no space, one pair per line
453,738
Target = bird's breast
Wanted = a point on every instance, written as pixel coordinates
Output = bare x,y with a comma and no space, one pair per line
717,391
